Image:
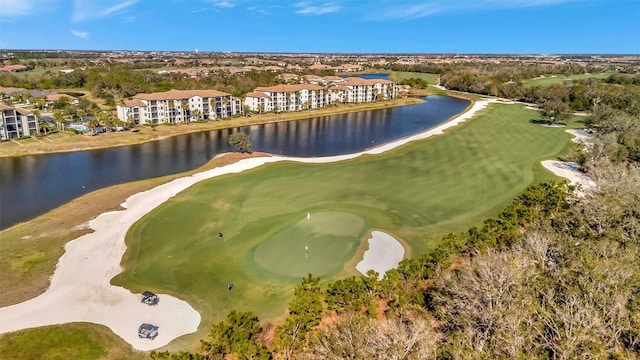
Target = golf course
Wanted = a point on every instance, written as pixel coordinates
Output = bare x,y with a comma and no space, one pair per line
417,193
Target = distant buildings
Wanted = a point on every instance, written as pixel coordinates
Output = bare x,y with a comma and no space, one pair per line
16,123
178,106
13,68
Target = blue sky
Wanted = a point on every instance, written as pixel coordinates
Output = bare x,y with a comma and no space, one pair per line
347,26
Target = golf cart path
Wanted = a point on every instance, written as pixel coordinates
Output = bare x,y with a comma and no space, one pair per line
80,289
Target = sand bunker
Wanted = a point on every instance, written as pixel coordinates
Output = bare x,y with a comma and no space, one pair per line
385,253
570,170
80,289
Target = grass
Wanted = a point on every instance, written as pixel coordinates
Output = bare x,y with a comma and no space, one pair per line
30,250
333,237
76,341
417,193
560,79
398,76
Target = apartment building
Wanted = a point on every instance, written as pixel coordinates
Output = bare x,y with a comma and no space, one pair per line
359,90
286,97
292,97
16,123
178,106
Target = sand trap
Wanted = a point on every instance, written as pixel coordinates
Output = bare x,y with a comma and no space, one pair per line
80,289
570,170
385,253
581,136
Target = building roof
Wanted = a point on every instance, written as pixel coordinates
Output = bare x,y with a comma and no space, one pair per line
23,111
289,88
180,94
56,97
134,103
257,94
361,81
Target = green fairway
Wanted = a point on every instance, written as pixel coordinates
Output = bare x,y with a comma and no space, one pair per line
417,193
319,245
559,79
431,79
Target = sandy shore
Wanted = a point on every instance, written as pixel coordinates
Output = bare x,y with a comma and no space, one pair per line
384,253
80,287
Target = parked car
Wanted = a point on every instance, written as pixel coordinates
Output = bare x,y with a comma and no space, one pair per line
147,331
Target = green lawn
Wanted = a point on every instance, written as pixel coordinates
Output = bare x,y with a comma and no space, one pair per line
398,76
319,245
558,79
77,341
417,193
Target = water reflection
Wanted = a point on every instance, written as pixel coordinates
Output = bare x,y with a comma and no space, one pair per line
33,185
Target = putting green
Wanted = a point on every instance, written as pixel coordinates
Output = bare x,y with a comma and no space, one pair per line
331,238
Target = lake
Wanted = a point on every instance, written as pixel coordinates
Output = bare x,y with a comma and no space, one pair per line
32,185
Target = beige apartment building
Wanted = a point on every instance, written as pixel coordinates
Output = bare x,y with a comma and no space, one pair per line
178,106
294,97
16,123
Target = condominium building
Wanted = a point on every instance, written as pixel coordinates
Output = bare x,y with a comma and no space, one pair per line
16,123
178,106
292,97
359,90
286,97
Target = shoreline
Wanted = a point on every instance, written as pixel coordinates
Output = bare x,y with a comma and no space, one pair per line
223,124
111,304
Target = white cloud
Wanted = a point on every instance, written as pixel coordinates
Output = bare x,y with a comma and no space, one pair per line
223,3
413,10
95,9
80,34
21,7
307,8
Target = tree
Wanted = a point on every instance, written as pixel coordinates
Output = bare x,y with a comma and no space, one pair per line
305,312
197,113
239,335
240,141
556,111
172,111
58,116
225,107
214,104
186,116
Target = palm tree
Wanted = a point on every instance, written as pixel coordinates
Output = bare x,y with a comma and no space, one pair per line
36,115
58,116
225,104
172,115
39,102
81,113
186,116
213,103
94,122
287,97
197,113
